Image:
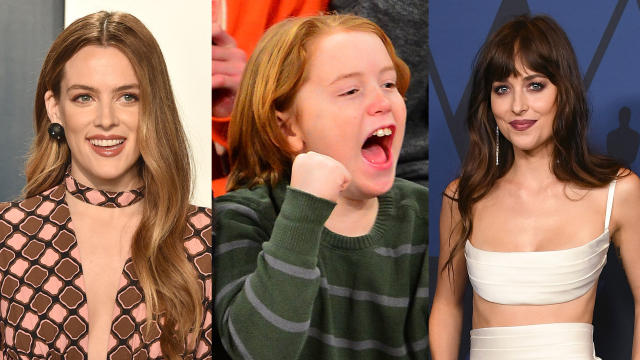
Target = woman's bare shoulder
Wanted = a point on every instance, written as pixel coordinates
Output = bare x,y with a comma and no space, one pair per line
628,188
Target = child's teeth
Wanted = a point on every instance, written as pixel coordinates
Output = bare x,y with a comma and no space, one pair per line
383,132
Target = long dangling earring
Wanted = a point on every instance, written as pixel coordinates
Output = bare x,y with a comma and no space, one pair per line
497,146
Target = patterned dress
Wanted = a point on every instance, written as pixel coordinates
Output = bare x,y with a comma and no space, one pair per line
43,305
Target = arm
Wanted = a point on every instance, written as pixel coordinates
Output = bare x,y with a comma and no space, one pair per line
228,62
264,299
445,322
626,235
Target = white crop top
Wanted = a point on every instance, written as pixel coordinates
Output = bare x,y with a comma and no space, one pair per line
539,277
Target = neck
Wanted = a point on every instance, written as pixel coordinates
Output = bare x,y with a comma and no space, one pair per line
128,181
533,166
353,217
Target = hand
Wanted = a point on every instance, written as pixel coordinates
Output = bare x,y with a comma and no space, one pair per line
319,175
228,62
220,150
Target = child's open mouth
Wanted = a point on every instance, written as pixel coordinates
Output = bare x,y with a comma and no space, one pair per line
377,148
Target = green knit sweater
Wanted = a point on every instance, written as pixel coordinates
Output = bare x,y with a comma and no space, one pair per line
288,288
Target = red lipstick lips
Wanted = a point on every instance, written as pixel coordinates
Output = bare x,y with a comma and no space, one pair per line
107,145
522,125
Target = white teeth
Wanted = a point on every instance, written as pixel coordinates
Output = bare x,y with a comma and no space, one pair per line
383,132
102,142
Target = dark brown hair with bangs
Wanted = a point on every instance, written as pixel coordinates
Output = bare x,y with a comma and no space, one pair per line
542,46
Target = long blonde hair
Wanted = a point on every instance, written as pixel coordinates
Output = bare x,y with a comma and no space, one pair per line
258,151
171,290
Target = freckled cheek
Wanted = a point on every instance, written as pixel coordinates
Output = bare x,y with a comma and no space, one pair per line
400,116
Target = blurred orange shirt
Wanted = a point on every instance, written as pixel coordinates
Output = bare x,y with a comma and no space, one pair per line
246,21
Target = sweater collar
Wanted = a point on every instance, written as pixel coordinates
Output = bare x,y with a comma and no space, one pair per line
331,239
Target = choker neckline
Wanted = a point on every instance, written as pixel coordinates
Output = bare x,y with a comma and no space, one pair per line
103,198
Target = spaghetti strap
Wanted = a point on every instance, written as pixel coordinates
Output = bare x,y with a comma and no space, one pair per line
612,187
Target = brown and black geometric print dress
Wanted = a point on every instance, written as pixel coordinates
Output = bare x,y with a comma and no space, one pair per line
43,306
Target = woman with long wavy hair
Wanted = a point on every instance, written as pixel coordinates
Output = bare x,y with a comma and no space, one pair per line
105,257
530,218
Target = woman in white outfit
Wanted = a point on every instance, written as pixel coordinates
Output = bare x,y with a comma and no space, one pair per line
530,218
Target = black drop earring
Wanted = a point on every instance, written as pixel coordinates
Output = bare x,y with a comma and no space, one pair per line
56,131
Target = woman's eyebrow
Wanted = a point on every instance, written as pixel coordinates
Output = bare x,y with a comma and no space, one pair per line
89,88
127,87
80,87
533,76
526,78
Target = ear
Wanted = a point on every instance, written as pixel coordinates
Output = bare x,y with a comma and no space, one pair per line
53,110
291,130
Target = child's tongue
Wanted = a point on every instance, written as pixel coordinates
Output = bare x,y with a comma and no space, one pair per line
373,152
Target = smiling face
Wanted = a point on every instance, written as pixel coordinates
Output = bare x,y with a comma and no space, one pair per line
98,106
350,109
524,107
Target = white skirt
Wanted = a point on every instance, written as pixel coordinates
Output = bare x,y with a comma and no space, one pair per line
561,341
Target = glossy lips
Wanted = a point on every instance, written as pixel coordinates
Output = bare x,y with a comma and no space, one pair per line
522,125
107,146
376,149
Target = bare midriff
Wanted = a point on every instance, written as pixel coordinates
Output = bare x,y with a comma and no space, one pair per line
488,314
